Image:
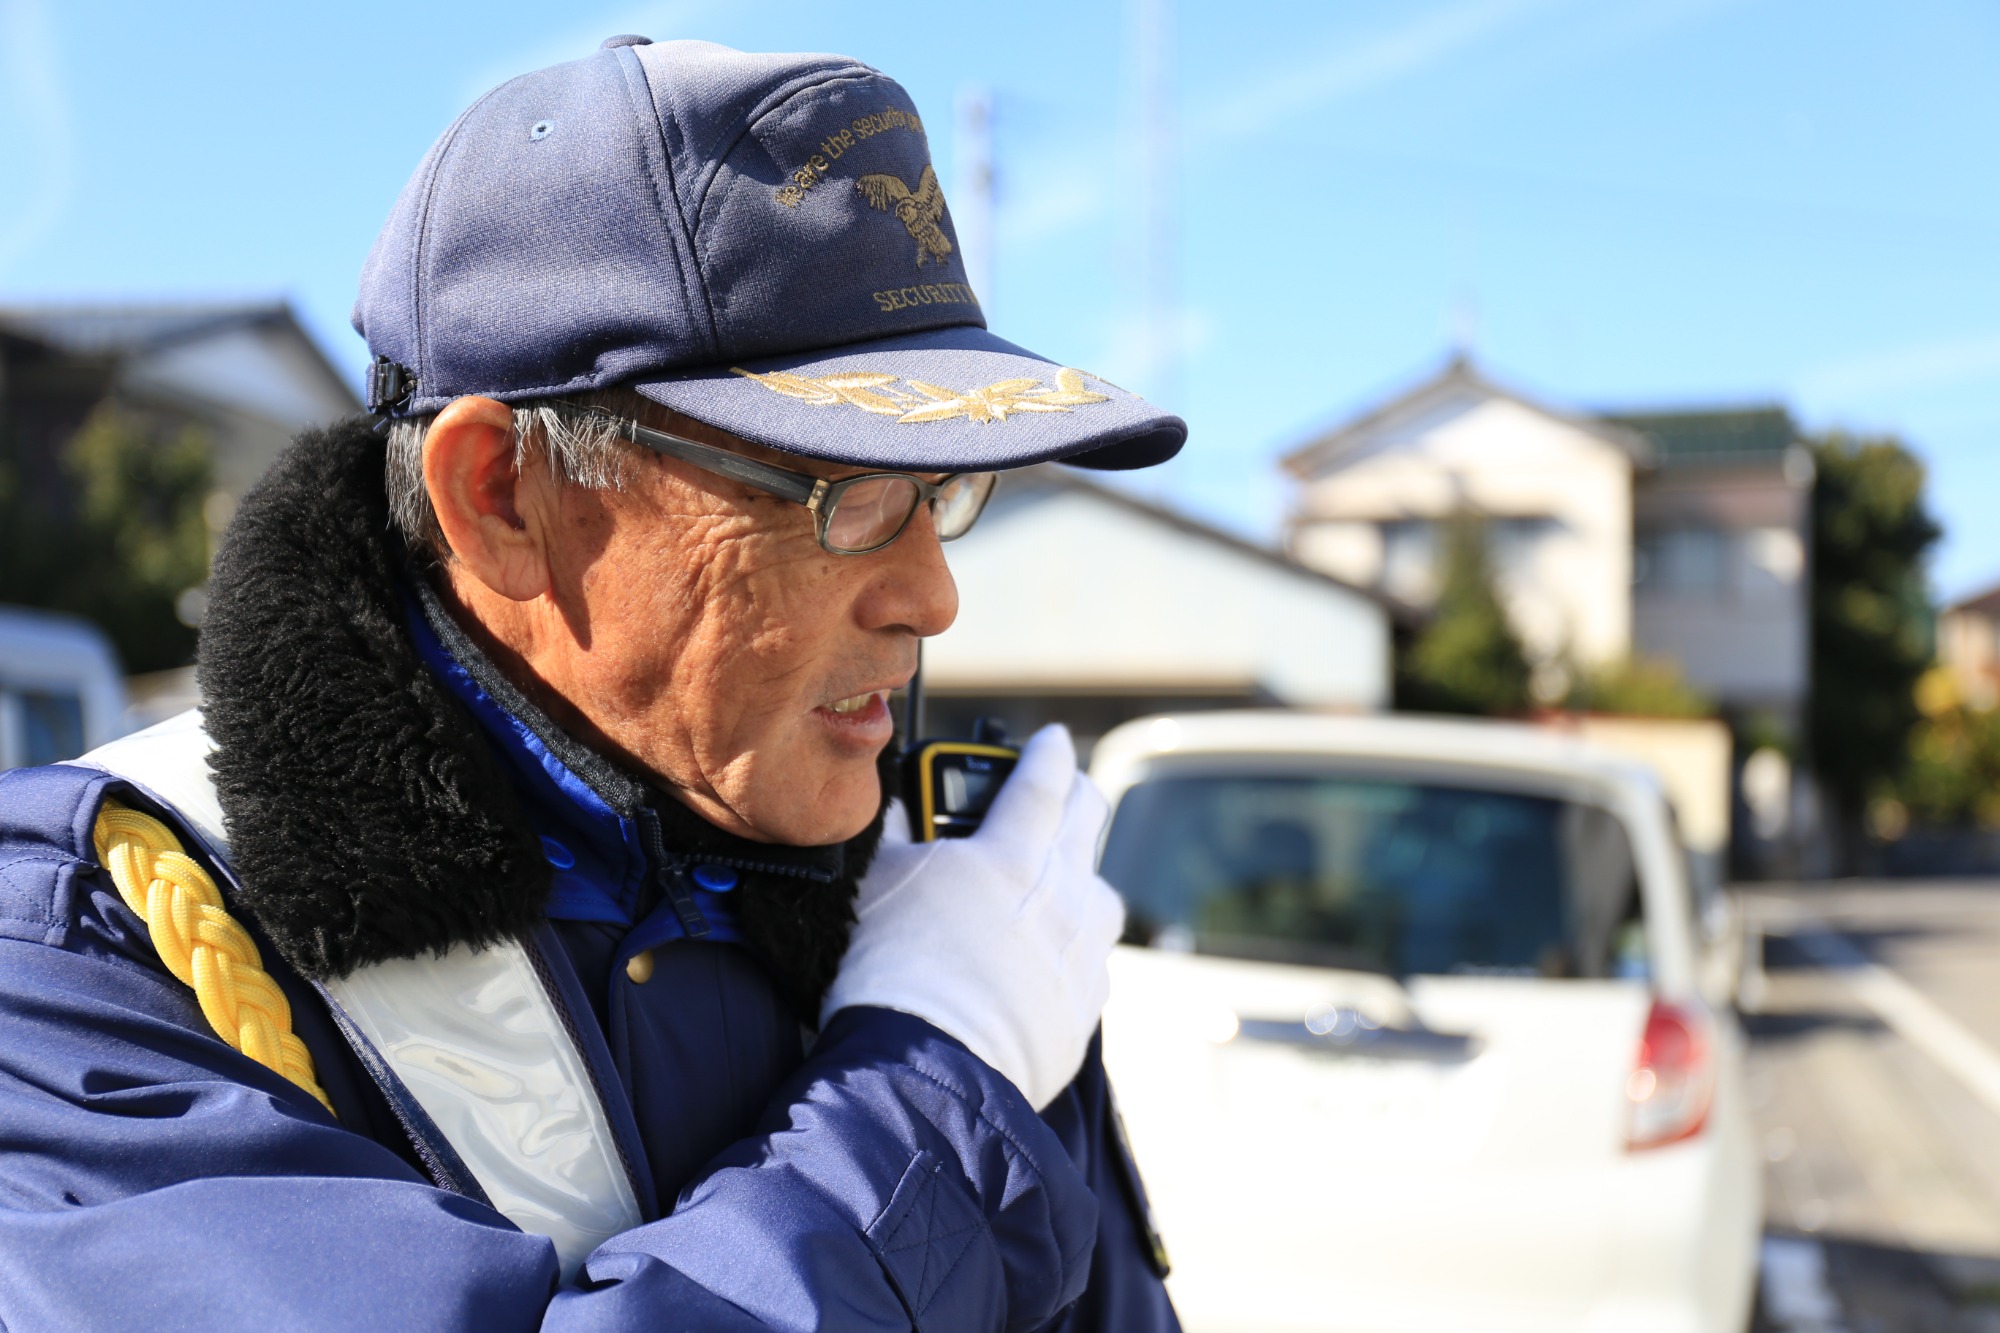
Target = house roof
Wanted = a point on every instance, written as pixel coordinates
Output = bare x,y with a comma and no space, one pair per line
1985,603
1051,476
151,336
94,330
20,342
1459,375
1761,434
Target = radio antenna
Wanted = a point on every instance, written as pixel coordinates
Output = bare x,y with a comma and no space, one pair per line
913,702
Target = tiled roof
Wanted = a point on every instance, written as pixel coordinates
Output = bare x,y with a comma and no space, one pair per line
1744,435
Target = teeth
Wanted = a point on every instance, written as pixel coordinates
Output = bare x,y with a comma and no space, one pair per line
853,705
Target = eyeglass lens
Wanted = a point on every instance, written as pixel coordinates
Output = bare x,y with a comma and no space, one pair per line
959,503
873,510
870,512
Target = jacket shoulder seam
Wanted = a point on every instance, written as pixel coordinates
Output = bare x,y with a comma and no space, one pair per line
48,924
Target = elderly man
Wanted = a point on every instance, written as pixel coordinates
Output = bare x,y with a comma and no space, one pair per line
521,936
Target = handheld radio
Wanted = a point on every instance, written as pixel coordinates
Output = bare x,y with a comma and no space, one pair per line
948,784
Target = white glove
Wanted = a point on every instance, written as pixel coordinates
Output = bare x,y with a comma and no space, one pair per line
1000,939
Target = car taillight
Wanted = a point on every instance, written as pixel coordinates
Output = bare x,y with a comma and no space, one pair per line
1673,1080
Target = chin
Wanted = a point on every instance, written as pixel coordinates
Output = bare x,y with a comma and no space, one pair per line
842,806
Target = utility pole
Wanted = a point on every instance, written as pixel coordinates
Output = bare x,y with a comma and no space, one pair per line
1154,39
972,196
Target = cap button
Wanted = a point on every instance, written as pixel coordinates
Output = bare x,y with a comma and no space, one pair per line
624,39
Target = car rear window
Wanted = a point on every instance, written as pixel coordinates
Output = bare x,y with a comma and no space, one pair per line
1390,874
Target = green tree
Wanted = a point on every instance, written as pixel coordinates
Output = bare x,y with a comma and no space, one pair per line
1952,779
122,536
1468,658
1871,623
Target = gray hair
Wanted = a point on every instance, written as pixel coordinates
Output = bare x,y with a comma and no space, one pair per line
582,449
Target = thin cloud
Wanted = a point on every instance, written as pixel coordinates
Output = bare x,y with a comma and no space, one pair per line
40,111
1078,190
1591,34
1342,73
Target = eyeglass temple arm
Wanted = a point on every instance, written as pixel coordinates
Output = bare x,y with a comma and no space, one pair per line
793,486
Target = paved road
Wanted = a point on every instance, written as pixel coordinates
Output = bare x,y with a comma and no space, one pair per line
1875,1079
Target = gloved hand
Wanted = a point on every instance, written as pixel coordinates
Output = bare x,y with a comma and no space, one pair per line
1000,939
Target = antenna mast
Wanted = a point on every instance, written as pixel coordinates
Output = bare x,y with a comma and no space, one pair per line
972,213
1154,36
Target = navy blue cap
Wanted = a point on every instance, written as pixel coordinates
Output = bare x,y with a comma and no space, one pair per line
757,241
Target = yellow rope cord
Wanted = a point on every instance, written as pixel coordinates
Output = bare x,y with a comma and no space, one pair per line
201,943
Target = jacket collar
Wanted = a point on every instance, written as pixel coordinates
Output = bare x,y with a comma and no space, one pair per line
387,790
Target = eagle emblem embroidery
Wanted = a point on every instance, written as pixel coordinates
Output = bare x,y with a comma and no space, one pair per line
919,211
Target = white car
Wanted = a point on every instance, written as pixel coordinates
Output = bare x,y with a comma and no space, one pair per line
1409,1032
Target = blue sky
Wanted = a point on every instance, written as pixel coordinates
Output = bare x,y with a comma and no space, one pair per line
1655,202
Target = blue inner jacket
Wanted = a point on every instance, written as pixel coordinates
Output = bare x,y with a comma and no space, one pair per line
884,1179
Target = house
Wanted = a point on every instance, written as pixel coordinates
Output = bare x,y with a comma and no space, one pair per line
248,373
1082,603
1676,535
1666,535
1968,646
245,375
1722,534
1553,487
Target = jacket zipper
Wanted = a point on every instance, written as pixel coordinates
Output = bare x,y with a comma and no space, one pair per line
672,875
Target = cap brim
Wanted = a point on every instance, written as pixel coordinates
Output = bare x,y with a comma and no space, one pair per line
950,400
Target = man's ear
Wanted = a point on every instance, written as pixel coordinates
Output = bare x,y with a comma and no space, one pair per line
480,498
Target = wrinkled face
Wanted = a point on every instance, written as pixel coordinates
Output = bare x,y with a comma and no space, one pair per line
704,636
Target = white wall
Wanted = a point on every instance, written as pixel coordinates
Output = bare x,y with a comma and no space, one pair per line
271,383
1969,645
1752,648
1571,592
1724,579
265,370
1066,589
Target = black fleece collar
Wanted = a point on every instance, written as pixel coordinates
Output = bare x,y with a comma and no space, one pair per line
369,816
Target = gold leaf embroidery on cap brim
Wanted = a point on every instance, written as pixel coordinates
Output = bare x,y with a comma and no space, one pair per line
924,402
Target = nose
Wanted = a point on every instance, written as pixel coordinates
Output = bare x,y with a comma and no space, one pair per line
912,588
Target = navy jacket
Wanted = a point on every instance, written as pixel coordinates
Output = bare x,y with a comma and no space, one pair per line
881,1177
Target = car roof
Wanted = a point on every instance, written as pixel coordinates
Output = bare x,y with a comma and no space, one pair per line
1502,748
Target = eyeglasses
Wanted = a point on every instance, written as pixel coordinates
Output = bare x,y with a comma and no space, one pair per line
855,515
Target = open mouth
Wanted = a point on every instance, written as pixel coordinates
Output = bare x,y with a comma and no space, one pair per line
862,719
858,703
